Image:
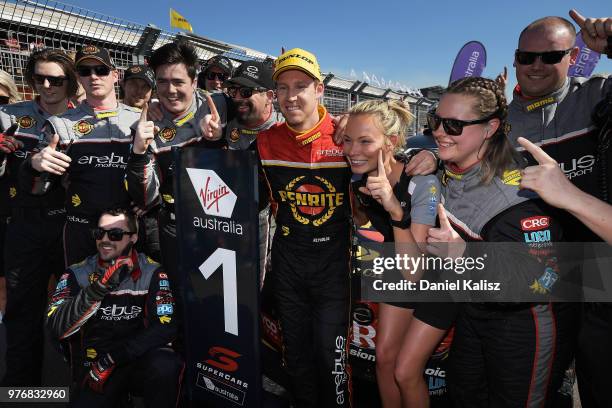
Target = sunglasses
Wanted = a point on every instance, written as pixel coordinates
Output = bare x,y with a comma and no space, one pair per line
99,70
547,57
212,75
53,80
114,234
452,127
4,99
244,92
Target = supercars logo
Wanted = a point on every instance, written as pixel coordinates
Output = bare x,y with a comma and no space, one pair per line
26,122
83,127
536,223
167,134
214,195
311,202
235,135
223,358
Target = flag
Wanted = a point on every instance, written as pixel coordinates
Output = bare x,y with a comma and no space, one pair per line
178,21
470,61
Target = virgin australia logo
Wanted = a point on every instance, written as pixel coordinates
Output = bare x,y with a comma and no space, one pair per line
213,194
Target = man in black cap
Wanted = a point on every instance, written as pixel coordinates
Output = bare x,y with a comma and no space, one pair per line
217,70
137,85
89,147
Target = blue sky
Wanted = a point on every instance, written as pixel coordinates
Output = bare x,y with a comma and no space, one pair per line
411,42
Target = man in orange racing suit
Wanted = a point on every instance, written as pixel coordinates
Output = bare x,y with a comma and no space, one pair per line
309,181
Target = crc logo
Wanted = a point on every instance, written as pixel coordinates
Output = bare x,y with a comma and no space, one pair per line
223,358
535,223
214,195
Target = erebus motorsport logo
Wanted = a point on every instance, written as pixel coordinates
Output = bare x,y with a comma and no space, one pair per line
216,199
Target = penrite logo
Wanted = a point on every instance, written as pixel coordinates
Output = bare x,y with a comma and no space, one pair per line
214,195
223,358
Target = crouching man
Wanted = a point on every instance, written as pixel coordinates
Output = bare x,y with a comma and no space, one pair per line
116,309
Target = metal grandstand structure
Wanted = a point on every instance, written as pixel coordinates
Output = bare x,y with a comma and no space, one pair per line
27,25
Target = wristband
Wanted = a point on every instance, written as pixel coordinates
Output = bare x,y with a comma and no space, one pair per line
404,223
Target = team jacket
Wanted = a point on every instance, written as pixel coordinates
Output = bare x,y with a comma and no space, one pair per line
307,176
98,142
561,124
137,316
30,118
501,212
150,175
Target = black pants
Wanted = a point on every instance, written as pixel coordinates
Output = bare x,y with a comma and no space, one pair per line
78,241
310,282
594,357
33,253
502,358
156,376
148,235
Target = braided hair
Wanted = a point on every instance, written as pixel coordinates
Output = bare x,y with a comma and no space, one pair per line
394,117
490,101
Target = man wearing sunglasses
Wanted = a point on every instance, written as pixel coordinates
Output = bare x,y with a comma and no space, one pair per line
217,70
149,173
117,311
555,112
137,85
90,147
34,250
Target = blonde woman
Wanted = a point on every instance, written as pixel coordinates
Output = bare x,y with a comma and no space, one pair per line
8,89
403,209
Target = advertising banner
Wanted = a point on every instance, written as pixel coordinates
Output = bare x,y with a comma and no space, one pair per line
217,232
470,61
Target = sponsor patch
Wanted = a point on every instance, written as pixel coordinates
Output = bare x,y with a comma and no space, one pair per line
165,319
540,103
12,192
511,177
167,134
164,310
83,127
26,122
89,49
76,200
235,135
535,223
91,353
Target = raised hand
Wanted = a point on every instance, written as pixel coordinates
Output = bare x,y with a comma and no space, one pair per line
145,132
502,78
51,160
547,179
380,189
444,241
595,31
211,123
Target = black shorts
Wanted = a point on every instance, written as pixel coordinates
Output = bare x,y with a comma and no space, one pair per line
440,315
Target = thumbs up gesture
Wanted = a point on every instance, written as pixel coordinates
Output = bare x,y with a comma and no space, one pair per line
547,179
211,123
595,31
444,241
379,188
145,132
51,160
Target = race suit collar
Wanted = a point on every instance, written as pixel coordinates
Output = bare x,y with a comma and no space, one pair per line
100,112
181,119
307,137
531,104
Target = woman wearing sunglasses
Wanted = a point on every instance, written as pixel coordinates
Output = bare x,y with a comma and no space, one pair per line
403,209
503,354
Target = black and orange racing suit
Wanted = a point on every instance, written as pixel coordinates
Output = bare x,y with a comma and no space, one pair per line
308,179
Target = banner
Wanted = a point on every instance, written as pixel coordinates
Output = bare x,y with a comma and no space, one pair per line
470,61
180,22
217,232
585,62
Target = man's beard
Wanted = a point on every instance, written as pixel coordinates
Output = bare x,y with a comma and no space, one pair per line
245,117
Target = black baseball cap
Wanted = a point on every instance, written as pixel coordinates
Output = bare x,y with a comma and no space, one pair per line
221,62
252,74
94,52
141,72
